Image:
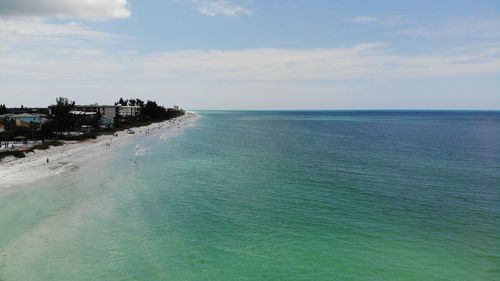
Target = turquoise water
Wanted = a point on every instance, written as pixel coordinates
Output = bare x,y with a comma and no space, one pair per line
337,195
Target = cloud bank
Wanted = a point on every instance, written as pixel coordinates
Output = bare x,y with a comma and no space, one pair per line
55,58
220,7
40,57
82,9
465,28
375,19
369,61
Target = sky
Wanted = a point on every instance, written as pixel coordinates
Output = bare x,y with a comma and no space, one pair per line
253,54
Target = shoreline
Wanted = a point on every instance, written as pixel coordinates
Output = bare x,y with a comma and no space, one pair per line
34,166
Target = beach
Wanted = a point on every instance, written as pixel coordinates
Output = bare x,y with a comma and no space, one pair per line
17,171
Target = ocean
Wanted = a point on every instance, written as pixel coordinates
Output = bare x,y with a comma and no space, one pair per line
271,195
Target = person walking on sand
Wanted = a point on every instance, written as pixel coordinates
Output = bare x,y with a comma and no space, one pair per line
47,161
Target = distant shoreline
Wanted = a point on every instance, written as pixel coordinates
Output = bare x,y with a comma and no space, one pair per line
16,171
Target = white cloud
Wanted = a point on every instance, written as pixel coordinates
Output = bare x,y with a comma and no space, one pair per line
36,31
40,58
359,62
457,28
370,61
375,19
83,9
73,51
221,7
362,19
274,64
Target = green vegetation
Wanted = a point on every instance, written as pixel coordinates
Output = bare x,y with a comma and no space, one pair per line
63,124
131,102
15,153
3,109
45,145
61,120
150,111
22,153
83,137
12,130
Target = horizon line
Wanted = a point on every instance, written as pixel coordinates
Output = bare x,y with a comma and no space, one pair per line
364,109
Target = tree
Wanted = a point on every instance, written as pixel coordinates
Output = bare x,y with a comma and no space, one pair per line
10,128
139,102
3,109
10,125
62,119
96,120
34,127
48,128
153,111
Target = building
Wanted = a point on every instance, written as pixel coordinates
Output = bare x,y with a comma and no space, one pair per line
24,119
84,118
19,110
83,113
106,110
129,110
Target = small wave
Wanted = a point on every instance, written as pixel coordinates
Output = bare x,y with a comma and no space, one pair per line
66,167
141,150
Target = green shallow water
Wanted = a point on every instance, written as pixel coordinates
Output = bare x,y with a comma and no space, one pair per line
272,196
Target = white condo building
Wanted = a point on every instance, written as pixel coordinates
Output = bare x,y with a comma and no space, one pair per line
129,110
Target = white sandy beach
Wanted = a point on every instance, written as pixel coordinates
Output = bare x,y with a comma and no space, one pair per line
14,171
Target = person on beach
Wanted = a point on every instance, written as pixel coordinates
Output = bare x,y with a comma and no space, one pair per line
47,161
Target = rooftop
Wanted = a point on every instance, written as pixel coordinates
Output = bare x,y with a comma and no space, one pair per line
96,105
21,115
77,112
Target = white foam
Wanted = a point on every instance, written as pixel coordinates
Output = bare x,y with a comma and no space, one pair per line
140,150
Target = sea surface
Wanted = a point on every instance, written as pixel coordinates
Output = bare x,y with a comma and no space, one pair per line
271,195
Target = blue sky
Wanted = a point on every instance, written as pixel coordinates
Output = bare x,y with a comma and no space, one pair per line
253,54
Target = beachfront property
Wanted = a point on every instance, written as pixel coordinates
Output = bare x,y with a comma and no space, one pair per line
85,117
106,110
80,113
111,111
129,110
108,113
25,119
